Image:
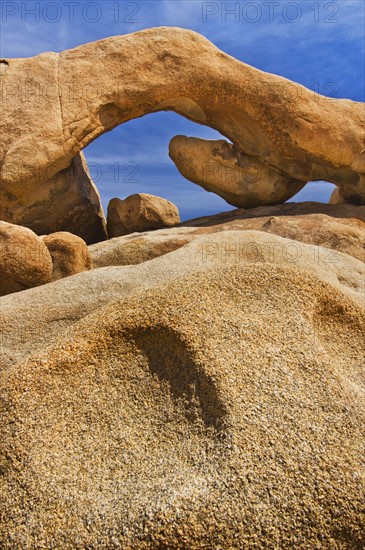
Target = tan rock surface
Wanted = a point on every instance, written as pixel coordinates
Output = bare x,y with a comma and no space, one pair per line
70,254
335,196
138,248
224,409
54,105
240,179
24,259
32,319
140,212
39,189
339,227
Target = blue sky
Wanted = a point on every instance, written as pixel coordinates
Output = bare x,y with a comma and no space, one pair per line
318,44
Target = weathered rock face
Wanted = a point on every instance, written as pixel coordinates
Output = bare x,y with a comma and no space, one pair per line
224,409
27,261
140,212
33,319
24,259
335,196
54,105
338,227
239,179
70,254
67,201
36,191
136,249
73,205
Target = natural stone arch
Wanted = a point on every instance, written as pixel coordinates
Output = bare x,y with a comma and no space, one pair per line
280,126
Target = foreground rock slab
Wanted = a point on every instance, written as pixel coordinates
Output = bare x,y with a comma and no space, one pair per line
33,319
338,227
224,408
139,247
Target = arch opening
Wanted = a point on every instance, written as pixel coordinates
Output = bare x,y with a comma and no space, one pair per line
133,157
315,191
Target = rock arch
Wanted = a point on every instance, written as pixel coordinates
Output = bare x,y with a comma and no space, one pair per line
54,105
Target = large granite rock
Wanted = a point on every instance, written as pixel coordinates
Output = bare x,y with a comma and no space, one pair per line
24,259
140,212
240,179
54,105
32,319
220,409
36,190
70,254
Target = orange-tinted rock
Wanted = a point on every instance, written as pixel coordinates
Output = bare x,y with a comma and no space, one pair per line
70,254
24,259
140,212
